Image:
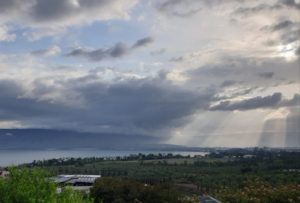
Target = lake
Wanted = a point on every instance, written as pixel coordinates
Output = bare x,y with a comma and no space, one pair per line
15,157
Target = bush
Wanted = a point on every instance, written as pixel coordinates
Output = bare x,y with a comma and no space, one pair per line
112,190
257,190
34,186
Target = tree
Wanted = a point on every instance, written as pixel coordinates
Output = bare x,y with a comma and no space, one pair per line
34,186
260,191
112,190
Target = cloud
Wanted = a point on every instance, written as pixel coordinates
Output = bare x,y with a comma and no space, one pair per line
51,51
158,52
179,8
272,101
262,7
118,50
132,106
246,11
247,104
290,36
223,62
282,25
227,83
70,11
10,6
266,75
5,35
290,3
297,52
44,17
287,30
295,101
246,72
142,42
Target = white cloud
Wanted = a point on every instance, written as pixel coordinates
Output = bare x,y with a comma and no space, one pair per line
51,51
5,34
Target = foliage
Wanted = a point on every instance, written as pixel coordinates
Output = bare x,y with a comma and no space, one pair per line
224,168
256,190
112,190
33,186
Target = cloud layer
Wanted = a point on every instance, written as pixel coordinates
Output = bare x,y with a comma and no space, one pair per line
204,73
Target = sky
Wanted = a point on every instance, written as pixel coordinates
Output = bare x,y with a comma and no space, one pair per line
201,73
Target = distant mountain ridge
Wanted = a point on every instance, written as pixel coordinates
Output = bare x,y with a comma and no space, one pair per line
66,139
63,139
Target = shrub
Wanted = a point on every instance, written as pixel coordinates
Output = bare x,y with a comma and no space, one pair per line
34,186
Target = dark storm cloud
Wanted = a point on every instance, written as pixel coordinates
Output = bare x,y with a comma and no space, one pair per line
290,3
142,42
8,5
118,50
13,104
9,89
271,101
282,25
145,105
266,75
247,104
127,106
45,10
53,15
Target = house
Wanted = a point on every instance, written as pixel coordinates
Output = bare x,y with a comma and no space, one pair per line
4,173
81,183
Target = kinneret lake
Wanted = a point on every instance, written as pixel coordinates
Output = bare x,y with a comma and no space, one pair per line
20,156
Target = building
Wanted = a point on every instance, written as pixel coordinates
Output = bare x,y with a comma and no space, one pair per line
4,173
81,183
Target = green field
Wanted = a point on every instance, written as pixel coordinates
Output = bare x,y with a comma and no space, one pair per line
208,174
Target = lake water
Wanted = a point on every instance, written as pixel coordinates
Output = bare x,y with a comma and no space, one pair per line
15,157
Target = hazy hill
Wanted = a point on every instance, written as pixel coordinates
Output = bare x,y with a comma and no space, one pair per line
44,138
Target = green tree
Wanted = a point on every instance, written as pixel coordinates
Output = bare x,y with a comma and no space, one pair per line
256,190
34,186
112,190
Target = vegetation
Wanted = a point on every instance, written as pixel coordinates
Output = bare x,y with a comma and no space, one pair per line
34,186
120,190
220,169
256,175
256,190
